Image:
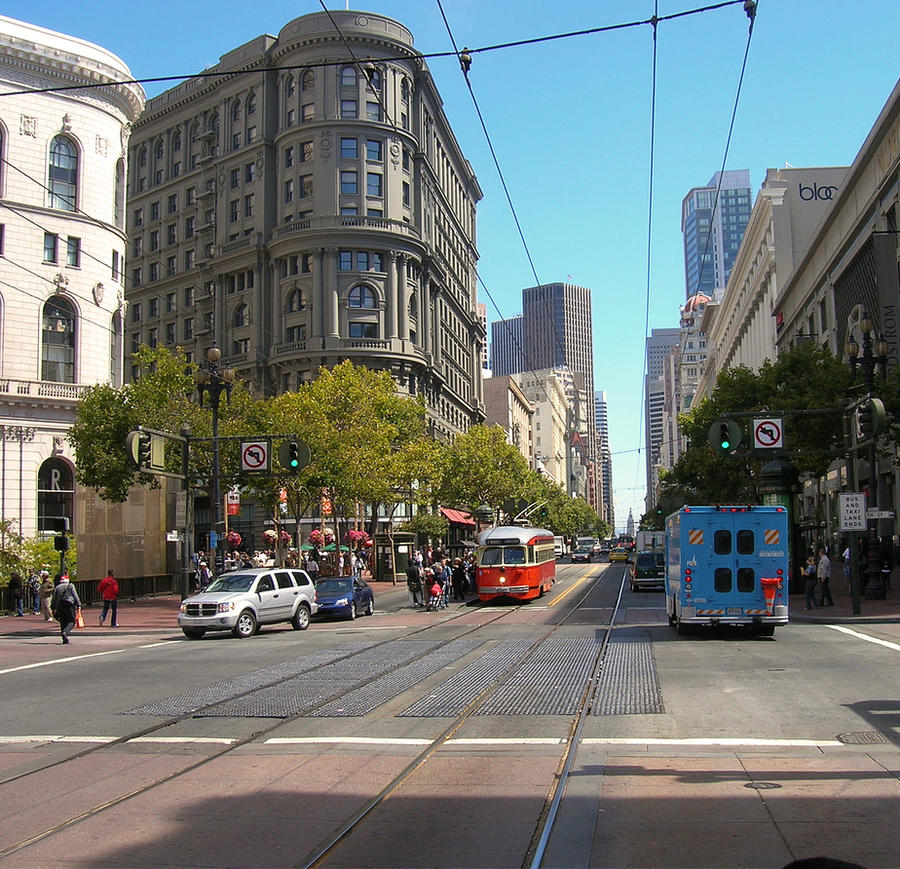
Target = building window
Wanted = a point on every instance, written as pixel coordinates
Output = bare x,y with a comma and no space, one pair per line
362,261
251,135
373,111
188,297
234,210
191,195
154,211
348,108
289,87
289,190
295,333
152,336
58,341
136,312
362,297
250,173
306,263
375,79
170,302
63,176
240,346
51,247
306,186
137,218
377,263
170,333
73,252
116,265
373,150
290,118
234,178
349,209
154,272
288,157
294,302
136,277
306,152
172,205
154,240
251,104
241,316
348,76
345,260
406,193
189,227
235,141
307,80
170,266
363,330
373,183
171,233
188,260
349,148
349,183
309,112
188,328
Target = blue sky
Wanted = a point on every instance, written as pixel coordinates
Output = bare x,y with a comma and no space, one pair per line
570,122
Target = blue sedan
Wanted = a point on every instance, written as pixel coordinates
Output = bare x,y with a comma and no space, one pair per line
344,596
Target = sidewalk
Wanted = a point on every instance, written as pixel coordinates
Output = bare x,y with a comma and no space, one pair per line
870,611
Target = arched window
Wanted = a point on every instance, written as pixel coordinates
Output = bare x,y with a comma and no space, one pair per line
348,76
251,104
404,90
63,174
58,341
241,316
236,111
289,86
375,79
294,302
307,80
142,157
160,150
176,140
413,306
55,494
362,297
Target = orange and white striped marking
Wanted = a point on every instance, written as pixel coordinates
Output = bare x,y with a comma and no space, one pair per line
695,536
772,536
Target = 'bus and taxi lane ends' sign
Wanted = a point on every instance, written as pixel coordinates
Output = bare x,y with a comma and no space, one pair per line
853,511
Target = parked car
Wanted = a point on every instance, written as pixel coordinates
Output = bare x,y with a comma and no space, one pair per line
581,555
243,600
647,571
344,596
618,553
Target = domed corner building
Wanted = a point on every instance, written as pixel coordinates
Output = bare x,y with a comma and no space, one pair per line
62,236
313,206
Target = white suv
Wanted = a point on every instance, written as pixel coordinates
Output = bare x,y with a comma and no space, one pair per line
243,600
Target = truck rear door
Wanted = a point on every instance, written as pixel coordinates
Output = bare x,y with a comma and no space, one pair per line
734,588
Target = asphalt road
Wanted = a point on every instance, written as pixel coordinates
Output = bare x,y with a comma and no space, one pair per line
715,749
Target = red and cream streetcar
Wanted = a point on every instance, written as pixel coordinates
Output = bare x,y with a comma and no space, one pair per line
515,562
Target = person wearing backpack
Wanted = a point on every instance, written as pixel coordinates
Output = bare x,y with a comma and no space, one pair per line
64,605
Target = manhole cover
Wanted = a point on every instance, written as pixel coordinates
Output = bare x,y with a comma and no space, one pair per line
863,737
762,785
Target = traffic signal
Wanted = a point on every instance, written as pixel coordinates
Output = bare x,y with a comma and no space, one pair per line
725,436
293,455
61,543
870,418
139,448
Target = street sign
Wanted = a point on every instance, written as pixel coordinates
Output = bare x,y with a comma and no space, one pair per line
853,511
874,513
254,455
233,502
767,434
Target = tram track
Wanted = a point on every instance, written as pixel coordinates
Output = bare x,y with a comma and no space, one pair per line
317,855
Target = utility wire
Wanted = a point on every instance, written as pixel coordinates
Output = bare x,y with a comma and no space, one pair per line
324,64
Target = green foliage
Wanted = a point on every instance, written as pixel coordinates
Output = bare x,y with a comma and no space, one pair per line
427,525
24,554
805,378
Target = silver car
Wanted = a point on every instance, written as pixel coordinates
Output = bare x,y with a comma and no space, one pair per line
243,600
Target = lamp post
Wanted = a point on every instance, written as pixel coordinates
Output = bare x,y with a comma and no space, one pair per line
874,356
213,381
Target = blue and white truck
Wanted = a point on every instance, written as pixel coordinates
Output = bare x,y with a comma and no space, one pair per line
727,566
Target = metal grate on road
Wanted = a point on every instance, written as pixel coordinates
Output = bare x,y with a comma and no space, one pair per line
191,701
372,695
451,697
629,684
305,692
551,681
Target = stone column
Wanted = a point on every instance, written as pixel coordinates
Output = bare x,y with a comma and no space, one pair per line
331,294
390,300
402,298
316,316
435,327
425,311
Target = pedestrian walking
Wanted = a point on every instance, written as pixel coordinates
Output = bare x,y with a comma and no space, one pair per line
887,564
414,583
823,571
109,592
16,592
46,593
312,568
204,575
809,572
64,604
459,579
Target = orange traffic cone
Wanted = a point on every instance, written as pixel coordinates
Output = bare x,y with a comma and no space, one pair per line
769,586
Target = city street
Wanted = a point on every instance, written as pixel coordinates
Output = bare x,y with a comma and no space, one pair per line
438,738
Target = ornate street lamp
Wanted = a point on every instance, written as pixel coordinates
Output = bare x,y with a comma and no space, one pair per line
873,357
213,381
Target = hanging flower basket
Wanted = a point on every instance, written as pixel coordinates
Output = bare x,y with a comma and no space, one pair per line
233,540
318,539
270,535
356,539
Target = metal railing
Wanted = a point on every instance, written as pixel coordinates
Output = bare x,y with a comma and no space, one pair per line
130,587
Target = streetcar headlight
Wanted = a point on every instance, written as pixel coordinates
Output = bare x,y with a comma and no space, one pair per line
502,579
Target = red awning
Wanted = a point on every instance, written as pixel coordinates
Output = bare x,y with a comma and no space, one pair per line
458,517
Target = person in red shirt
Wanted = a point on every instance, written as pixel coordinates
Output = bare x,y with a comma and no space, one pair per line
109,591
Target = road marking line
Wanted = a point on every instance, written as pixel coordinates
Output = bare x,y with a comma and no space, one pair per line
175,740
360,740
775,743
887,644
14,740
535,740
572,588
61,661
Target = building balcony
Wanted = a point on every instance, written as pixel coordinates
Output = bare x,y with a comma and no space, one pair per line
347,221
290,348
41,389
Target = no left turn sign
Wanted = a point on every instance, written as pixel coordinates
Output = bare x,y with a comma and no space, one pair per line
254,455
767,434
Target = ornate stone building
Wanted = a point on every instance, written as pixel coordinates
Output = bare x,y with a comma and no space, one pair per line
308,204
62,239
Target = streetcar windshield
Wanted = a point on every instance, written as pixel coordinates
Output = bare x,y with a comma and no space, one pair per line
493,555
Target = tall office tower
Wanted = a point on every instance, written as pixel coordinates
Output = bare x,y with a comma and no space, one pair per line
300,208
62,240
604,458
508,346
557,326
658,347
481,310
713,228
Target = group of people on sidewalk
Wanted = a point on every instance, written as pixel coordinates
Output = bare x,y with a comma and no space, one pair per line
431,583
818,580
32,593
